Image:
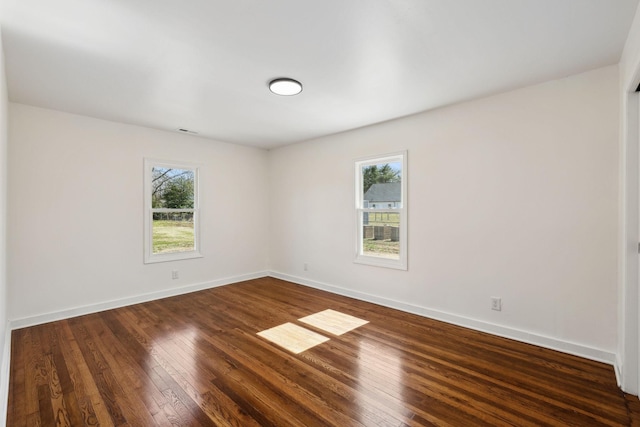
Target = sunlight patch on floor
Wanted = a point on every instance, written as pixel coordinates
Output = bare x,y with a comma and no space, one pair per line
293,338
334,322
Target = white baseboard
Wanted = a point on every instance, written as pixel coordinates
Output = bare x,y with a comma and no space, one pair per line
4,376
617,368
502,331
95,308
516,334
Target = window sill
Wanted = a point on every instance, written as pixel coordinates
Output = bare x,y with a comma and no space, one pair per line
397,264
178,256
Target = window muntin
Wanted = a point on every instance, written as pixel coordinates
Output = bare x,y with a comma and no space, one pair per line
381,237
171,211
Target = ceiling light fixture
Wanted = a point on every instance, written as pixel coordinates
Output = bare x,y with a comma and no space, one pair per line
285,86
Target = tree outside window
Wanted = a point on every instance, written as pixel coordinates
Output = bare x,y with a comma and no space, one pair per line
171,229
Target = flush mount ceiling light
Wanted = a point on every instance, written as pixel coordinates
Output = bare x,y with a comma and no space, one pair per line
285,86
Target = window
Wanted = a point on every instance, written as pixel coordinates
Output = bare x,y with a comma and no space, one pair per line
381,215
171,229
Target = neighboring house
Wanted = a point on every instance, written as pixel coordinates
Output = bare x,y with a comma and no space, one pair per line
383,196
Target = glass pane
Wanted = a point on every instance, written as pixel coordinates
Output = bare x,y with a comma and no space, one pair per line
173,232
381,234
381,186
172,188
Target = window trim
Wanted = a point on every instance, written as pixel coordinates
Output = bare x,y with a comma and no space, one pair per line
149,256
360,258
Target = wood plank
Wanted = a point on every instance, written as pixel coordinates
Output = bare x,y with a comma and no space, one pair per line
196,380
135,392
174,395
195,359
16,405
91,404
99,370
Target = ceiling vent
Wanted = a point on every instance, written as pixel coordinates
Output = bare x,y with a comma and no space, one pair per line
183,130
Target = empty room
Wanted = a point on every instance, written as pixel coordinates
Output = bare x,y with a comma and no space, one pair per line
305,213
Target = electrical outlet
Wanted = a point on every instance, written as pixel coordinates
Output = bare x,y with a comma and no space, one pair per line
306,266
174,274
496,304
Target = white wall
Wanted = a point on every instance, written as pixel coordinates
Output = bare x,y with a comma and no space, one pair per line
4,334
75,216
513,196
628,330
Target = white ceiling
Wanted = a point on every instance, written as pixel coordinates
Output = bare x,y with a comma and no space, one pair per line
204,65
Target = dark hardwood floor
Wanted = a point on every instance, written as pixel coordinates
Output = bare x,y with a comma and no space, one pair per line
195,360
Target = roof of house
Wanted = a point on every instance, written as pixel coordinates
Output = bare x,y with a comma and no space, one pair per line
386,192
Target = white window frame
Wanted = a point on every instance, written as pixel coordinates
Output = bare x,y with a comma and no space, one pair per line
149,256
360,257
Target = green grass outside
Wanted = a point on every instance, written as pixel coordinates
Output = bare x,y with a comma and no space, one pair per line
384,218
384,248
178,236
173,236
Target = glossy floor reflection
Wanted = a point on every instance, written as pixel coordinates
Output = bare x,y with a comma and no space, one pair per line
196,360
